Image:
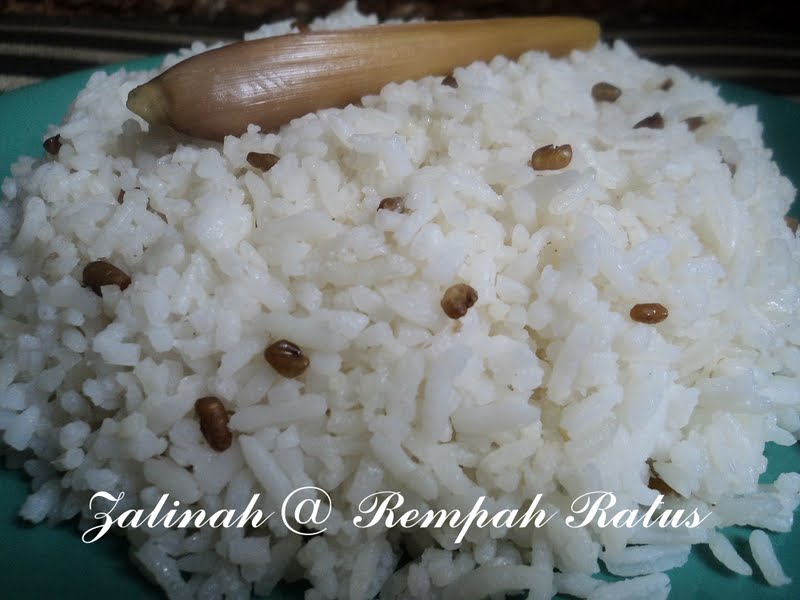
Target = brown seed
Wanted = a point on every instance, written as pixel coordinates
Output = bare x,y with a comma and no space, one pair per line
694,122
659,485
654,121
286,358
100,272
450,81
791,223
395,204
605,92
214,422
301,26
52,144
121,196
458,299
549,158
650,313
667,85
262,160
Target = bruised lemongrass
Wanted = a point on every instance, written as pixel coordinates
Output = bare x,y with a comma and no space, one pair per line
271,81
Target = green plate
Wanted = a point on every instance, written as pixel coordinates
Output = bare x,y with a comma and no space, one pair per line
53,563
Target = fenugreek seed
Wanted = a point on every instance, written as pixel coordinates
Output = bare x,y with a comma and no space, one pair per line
214,422
301,26
394,204
458,299
791,223
286,358
100,272
659,485
52,144
667,85
450,81
694,122
605,92
654,121
262,160
550,158
650,313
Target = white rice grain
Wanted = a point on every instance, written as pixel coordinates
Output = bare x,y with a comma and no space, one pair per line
485,581
653,587
724,552
767,562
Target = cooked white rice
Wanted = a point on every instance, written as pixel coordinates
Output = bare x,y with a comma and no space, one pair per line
545,386
764,555
725,553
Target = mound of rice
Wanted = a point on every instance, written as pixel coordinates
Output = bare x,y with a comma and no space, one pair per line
546,385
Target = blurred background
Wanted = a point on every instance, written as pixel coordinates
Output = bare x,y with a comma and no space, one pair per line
748,42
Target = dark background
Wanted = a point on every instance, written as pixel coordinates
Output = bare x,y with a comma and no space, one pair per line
713,13
752,43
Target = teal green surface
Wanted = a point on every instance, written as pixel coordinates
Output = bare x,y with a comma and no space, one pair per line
45,562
